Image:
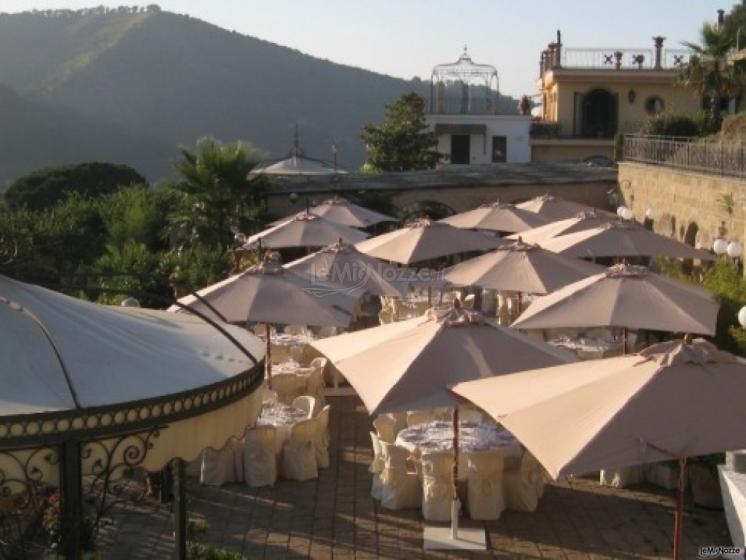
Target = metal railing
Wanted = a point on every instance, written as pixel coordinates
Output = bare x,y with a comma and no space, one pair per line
692,154
625,58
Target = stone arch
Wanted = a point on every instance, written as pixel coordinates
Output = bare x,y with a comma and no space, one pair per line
690,235
425,209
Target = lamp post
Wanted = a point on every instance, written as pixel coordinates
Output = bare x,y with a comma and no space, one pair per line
720,246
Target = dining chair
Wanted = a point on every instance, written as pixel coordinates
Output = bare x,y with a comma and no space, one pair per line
259,457
485,498
437,486
307,404
400,487
470,415
416,417
376,467
294,329
315,385
288,386
523,487
385,427
298,454
321,441
469,301
220,466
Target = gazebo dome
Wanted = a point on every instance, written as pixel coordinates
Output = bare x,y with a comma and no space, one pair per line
464,87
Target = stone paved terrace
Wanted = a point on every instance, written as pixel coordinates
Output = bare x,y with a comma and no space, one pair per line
335,517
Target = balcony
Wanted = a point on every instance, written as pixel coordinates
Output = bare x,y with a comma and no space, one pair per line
623,59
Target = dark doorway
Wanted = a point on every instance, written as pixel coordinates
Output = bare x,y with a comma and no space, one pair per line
460,152
599,114
499,149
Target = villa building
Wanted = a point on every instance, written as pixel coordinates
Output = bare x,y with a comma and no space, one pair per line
590,95
464,114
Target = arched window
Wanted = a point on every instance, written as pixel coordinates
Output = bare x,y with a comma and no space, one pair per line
598,113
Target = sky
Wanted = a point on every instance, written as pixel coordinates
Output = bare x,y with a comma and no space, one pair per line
406,38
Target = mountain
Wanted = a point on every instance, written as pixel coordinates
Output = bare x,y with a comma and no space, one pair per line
163,79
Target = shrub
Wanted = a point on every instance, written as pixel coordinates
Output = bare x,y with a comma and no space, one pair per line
671,125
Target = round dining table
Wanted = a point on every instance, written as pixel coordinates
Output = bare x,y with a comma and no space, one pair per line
283,417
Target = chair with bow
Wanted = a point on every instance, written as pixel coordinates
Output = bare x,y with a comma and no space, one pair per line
523,487
376,467
316,386
437,485
420,417
385,428
222,466
321,439
400,485
288,386
298,454
259,458
484,485
307,404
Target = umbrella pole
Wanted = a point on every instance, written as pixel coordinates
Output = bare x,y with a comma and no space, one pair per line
679,515
268,358
625,337
455,503
429,296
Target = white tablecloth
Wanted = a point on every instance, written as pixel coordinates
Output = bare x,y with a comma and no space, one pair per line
589,348
282,417
438,436
285,339
291,367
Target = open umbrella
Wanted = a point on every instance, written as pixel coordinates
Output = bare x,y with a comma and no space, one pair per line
409,365
497,216
422,240
90,391
342,264
628,297
621,239
520,267
270,294
579,222
671,401
342,211
556,208
304,230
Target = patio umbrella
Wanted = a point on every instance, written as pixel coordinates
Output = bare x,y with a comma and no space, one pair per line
622,239
342,264
628,297
270,294
94,390
671,401
422,240
342,211
579,222
409,365
497,216
556,208
304,230
520,267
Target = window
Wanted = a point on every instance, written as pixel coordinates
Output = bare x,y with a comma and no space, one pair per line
654,105
499,149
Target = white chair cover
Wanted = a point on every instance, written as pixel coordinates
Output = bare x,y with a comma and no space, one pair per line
307,404
268,395
437,487
259,329
295,329
288,386
420,417
523,487
321,441
327,331
259,458
621,478
298,454
220,467
470,415
316,387
280,354
400,421
400,486
484,485
376,467
385,427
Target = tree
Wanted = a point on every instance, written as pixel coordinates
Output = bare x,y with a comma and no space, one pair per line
670,125
44,188
403,142
218,195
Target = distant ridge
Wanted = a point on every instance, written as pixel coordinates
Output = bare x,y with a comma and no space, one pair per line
155,79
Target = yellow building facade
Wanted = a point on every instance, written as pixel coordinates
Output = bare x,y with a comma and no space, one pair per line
590,95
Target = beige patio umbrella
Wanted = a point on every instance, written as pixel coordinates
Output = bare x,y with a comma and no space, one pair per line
556,208
497,216
409,365
304,230
622,239
520,267
579,222
627,297
342,264
270,294
422,240
671,401
342,211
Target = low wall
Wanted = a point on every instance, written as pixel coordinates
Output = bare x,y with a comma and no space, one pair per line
691,207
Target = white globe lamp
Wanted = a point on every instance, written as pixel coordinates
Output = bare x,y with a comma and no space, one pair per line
734,249
628,214
620,211
742,316
650,214
720,246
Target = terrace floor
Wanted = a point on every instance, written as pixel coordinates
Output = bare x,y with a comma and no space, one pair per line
335,517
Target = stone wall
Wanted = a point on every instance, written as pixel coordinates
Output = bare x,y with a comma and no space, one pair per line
691,207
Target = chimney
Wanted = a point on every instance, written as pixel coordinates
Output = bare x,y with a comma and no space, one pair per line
558,54
658,41
721,19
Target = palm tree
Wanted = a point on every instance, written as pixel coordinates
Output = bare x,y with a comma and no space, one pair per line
218,195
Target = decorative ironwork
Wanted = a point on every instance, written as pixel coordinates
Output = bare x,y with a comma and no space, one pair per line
629,58
719,158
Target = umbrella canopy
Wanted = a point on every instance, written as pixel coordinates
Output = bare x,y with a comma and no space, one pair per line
624,296
672,400
342,211
520,267
579,222
305,230
298,164
423,240
622,239
555,208
497,216
409,365
269,293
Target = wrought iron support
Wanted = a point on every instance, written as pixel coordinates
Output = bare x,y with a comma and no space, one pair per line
72,498
180,508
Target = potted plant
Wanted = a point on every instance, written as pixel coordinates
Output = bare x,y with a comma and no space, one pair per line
704,481
51,522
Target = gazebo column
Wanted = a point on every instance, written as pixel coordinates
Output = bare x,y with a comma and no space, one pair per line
180,509
71,488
